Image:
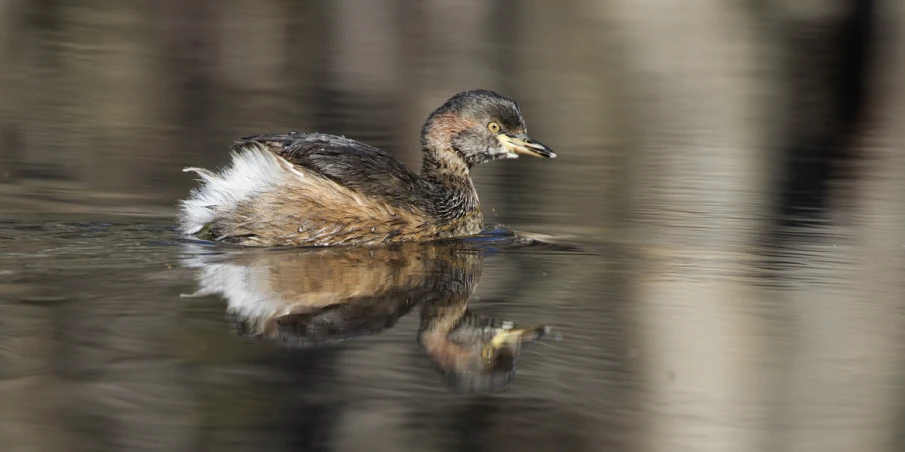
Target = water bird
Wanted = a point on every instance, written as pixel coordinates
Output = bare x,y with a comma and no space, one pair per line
313,189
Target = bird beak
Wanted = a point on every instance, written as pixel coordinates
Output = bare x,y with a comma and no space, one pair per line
522,144
518,335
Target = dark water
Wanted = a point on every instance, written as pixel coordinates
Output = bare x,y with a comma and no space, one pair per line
714,261
125,336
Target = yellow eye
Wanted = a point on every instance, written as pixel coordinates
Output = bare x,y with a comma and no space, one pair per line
487,352
493,127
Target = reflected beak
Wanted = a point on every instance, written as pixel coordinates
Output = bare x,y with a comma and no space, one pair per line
523,144
512,336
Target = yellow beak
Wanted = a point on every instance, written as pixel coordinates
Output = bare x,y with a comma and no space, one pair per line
517,335
522,144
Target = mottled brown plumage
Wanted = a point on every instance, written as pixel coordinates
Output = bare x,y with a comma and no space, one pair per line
316,189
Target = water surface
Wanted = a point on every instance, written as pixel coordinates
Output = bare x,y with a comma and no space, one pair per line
124,335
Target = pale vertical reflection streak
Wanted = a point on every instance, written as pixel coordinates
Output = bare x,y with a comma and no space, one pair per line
698,195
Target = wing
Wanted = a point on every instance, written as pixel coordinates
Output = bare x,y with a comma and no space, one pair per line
349,163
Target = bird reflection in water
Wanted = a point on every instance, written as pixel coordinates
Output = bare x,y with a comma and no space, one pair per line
314,297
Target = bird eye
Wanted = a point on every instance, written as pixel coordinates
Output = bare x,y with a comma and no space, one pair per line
487,352
493,127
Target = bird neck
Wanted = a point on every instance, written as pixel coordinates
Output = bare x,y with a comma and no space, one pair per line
449,177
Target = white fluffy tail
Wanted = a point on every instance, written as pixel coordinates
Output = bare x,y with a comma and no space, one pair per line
253,169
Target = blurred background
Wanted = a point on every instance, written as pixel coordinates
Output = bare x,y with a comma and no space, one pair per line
733,169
